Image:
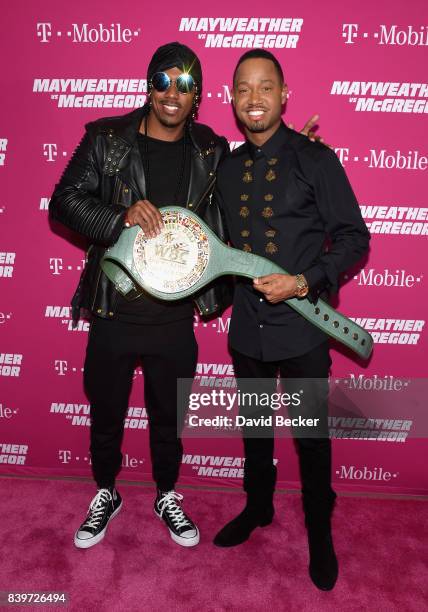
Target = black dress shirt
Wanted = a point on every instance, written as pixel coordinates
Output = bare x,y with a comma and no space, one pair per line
283,200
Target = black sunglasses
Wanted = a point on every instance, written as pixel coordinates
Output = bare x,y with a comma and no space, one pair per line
184,82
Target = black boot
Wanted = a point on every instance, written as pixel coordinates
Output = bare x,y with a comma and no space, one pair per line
323,566
258,512
318,502
239,529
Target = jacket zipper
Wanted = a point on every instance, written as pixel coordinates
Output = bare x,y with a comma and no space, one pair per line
115,198
96,288
201,199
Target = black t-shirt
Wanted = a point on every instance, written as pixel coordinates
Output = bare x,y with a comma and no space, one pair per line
166,162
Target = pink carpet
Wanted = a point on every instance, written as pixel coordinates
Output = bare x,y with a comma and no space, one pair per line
381,546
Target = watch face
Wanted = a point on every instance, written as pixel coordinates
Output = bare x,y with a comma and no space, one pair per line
176,258
302,287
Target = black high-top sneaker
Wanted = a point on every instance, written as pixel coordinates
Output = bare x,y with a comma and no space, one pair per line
104,506
168,508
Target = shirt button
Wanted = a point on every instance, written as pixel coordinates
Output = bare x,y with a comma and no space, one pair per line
261,326
261,300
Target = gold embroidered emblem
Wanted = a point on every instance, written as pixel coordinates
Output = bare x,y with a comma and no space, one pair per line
271,248
270,175
272,161
270,233
248,177
267,212
248,163
244,197
246,248
245,233
244,212
268,197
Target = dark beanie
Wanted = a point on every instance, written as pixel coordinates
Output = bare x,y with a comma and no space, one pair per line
177,55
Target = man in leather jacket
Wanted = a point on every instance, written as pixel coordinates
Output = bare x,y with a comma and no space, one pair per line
125,168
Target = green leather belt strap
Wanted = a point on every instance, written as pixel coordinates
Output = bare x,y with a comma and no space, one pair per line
175,265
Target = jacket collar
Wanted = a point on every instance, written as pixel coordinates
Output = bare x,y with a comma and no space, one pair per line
126,128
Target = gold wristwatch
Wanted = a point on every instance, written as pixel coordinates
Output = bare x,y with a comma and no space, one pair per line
302,286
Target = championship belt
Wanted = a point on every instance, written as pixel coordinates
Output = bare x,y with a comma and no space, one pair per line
187,255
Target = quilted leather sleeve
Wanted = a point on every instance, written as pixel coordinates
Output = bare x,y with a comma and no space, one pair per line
76,200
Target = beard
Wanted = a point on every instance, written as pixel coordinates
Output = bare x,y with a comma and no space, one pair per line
261,125
258,126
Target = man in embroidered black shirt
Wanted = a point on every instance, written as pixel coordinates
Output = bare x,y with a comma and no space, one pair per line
282,196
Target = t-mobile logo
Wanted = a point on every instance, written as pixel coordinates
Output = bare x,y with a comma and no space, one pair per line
61,367
44,31
64,456
55,264
50,151
349,32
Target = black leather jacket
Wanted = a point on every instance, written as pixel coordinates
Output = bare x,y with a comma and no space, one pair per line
104,177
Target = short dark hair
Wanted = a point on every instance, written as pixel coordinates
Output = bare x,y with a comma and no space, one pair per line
256,53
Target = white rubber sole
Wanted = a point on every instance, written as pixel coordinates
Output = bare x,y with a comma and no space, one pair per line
181,541
79,543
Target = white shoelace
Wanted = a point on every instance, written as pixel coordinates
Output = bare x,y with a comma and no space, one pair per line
169,503
97,507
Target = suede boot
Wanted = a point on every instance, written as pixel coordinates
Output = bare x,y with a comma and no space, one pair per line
323,565
258,511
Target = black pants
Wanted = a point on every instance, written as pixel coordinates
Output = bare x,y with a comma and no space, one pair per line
314,453
167,352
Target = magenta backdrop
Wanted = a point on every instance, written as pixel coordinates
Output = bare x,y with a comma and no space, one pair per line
359,65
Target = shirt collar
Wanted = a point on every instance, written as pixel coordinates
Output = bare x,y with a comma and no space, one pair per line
271,146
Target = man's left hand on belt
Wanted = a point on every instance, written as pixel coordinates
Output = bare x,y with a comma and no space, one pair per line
276,287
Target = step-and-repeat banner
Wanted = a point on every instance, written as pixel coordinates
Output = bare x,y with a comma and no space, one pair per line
362,68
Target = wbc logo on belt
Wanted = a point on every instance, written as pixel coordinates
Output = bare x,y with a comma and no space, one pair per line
172,251
176,258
